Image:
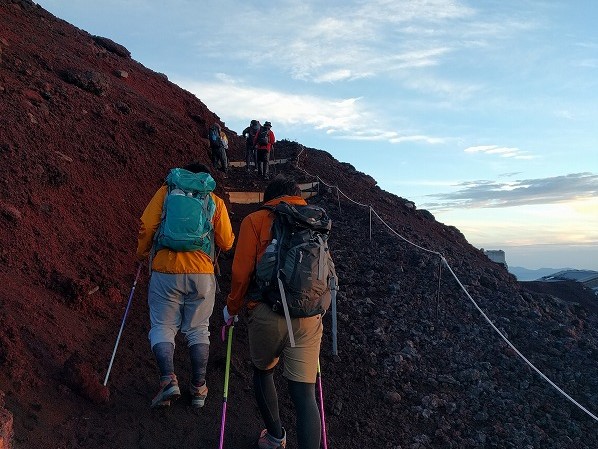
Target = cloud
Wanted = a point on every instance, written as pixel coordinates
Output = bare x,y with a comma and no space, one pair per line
332,42
589,63
338,75
344,118
493,194
507,152
241,101
563,113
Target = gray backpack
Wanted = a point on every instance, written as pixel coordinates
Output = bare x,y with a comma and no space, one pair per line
296,272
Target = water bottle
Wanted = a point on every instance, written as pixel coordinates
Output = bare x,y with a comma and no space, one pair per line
271,248
267,265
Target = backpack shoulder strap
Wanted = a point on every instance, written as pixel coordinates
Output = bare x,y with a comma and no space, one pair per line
209,206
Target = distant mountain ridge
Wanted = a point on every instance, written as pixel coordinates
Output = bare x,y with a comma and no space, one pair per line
525,274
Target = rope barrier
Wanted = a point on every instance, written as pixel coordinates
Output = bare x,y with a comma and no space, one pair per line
403,238
514,348
444,261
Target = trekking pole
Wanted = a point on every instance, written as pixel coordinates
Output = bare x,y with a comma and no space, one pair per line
226,376
333,291
122,324
217,271
324,433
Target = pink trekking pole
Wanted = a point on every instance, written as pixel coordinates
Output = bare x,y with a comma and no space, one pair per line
226,376
324,433
122,324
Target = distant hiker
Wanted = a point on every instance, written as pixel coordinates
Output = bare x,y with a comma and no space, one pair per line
264,141
218,147
249,134
269,336
180,228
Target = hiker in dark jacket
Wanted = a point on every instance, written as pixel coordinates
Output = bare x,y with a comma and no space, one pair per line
268,332
249,134
264,142
218,146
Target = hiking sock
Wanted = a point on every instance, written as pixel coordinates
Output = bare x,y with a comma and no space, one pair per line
267,400
164,353
309,426
199,361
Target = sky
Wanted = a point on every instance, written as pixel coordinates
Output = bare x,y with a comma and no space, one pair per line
482,112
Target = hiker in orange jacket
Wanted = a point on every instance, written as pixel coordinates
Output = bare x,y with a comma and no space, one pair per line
264,141
268,332
181,296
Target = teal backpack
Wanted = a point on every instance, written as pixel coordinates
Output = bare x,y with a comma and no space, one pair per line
187,213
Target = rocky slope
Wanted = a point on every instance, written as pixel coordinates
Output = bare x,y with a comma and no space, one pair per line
86,136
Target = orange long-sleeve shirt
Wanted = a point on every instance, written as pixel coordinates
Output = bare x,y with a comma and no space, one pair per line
254,237
169,261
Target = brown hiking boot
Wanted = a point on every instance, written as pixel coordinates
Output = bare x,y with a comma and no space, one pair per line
267,441
198,395
169,390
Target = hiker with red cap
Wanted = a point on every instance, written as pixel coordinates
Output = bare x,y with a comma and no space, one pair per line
264,141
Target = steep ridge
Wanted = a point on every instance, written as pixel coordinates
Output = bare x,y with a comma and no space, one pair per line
86,136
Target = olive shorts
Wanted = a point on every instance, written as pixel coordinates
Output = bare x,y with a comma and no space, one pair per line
269,339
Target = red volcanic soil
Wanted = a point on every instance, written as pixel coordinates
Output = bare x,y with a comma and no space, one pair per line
86,136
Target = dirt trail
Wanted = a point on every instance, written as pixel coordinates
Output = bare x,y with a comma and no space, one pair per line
87,134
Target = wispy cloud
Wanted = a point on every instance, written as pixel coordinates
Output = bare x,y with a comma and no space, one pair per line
493,194
331,42
508,152
404,46
589,63
241,102
342,118
563,113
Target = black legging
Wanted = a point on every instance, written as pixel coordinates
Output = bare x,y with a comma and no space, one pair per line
303,395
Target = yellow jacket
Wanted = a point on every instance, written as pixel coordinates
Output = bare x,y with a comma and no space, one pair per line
254,236
169,261
224,140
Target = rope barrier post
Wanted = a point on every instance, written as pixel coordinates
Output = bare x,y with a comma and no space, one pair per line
439,281
338,197
333,290
370,223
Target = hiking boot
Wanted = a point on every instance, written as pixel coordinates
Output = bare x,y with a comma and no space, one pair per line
198,395
267,441
169,390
